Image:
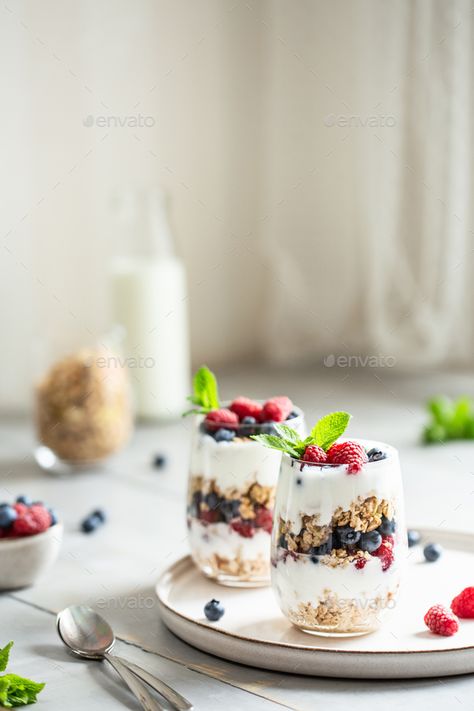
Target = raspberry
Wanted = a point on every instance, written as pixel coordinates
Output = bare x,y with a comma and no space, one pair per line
20,508
221,418
243,528
264,519
351,453
463,604
277,409
210,516
245,407
360,563
385,553
442,621
35,519
313,453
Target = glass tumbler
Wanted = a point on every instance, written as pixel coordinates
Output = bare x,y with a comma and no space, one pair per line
338,543
231,497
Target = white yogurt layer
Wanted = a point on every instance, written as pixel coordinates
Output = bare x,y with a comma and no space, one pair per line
236,464
220,539
301,580
311,489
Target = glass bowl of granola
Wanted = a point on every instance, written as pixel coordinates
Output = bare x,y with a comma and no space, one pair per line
83,411
232,482
339,538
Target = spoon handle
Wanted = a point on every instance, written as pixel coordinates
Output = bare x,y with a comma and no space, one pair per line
174,698
135,685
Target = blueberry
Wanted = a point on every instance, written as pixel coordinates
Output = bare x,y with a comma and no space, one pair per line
370,541
248,426
230,509
159,461
282,542
413,538
387,527
292,415
223,435
375,455
314,559
54,517
90,524
269,428
213,610
7,515
212,500
101,515
323,549
432,552
24,500
348,536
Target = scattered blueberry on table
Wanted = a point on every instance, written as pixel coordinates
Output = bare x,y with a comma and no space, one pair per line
159,461
93,521
413,538
213,610
432,552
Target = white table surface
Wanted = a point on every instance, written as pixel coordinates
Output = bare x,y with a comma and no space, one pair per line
115,569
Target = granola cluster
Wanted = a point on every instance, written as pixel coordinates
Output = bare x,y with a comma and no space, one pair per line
83,410
332,614
211,504
353,535
241,568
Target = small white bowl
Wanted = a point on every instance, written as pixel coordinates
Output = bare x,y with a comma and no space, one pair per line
23,559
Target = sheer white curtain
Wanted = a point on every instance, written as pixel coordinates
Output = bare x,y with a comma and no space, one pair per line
369,182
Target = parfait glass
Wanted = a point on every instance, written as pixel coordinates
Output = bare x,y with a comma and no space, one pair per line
231,496
339,543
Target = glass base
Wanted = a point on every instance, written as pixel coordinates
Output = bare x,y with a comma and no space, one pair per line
232,581
333,634
49,462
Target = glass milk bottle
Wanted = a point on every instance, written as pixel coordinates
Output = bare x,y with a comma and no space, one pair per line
149,299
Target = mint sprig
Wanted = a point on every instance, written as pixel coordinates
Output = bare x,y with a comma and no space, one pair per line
449,419
324,433
16,690
205,392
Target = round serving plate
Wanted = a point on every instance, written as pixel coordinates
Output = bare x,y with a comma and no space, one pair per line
254,632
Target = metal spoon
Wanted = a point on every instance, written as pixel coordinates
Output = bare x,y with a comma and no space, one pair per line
88,635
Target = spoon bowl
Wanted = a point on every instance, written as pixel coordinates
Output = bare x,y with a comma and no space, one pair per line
85,632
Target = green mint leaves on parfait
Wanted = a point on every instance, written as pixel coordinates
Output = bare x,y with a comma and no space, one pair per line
325,432
205,395
16,690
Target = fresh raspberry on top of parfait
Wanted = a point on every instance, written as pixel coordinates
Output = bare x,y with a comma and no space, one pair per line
276,409
245,407
351,453
221,418
315,454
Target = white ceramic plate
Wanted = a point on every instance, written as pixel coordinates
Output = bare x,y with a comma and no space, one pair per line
253,631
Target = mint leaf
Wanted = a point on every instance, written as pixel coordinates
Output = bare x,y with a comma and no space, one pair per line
329,428
288,433
18,691
205,395
4,655
279,443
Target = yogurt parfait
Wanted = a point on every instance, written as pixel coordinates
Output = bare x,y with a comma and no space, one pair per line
232,482
339,539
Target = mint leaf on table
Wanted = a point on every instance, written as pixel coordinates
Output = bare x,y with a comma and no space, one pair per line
449,419
205,392
328,429
18,691
4,655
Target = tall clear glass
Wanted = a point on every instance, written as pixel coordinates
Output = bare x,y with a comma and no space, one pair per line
338,543
231,498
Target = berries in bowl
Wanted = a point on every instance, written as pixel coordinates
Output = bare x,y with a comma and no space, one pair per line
339,541
233,480
30,538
